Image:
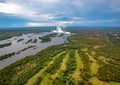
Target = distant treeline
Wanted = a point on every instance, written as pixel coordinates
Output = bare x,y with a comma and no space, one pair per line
11,32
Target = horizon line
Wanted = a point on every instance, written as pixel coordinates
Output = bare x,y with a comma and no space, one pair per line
65,27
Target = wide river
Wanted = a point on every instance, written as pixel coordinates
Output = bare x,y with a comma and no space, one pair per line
17,46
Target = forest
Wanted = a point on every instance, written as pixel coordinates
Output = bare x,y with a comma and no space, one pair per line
91,57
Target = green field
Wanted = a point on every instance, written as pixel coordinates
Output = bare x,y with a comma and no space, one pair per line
90,58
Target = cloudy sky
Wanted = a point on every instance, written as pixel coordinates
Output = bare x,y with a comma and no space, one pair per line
23,13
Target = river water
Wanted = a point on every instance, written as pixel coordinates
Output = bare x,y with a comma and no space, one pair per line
17,46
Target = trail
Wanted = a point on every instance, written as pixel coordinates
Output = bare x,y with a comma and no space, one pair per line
107,39
96,81
77,72
94,66
63,65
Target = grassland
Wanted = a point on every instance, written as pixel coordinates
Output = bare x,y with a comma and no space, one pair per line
90,58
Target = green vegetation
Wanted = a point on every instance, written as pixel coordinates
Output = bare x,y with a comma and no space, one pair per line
25,49
5,34
20,40
86,72
5,45
47,38
7,55
19,72
61,35
65,76
52,70
34,41
78,69
30,40
38,76
92,57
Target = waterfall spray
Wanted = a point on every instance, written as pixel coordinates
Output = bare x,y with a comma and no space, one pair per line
59,30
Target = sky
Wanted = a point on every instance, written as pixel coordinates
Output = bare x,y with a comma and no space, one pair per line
32,13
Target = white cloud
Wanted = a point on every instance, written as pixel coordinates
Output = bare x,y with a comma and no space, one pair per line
35,24
62,12
16,9
49,1
60,23
94,21
47,16
78,3
77,18
39,24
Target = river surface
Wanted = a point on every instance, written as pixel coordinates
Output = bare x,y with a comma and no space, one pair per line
17,46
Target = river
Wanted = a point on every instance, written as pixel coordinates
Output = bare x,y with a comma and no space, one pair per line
17,46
